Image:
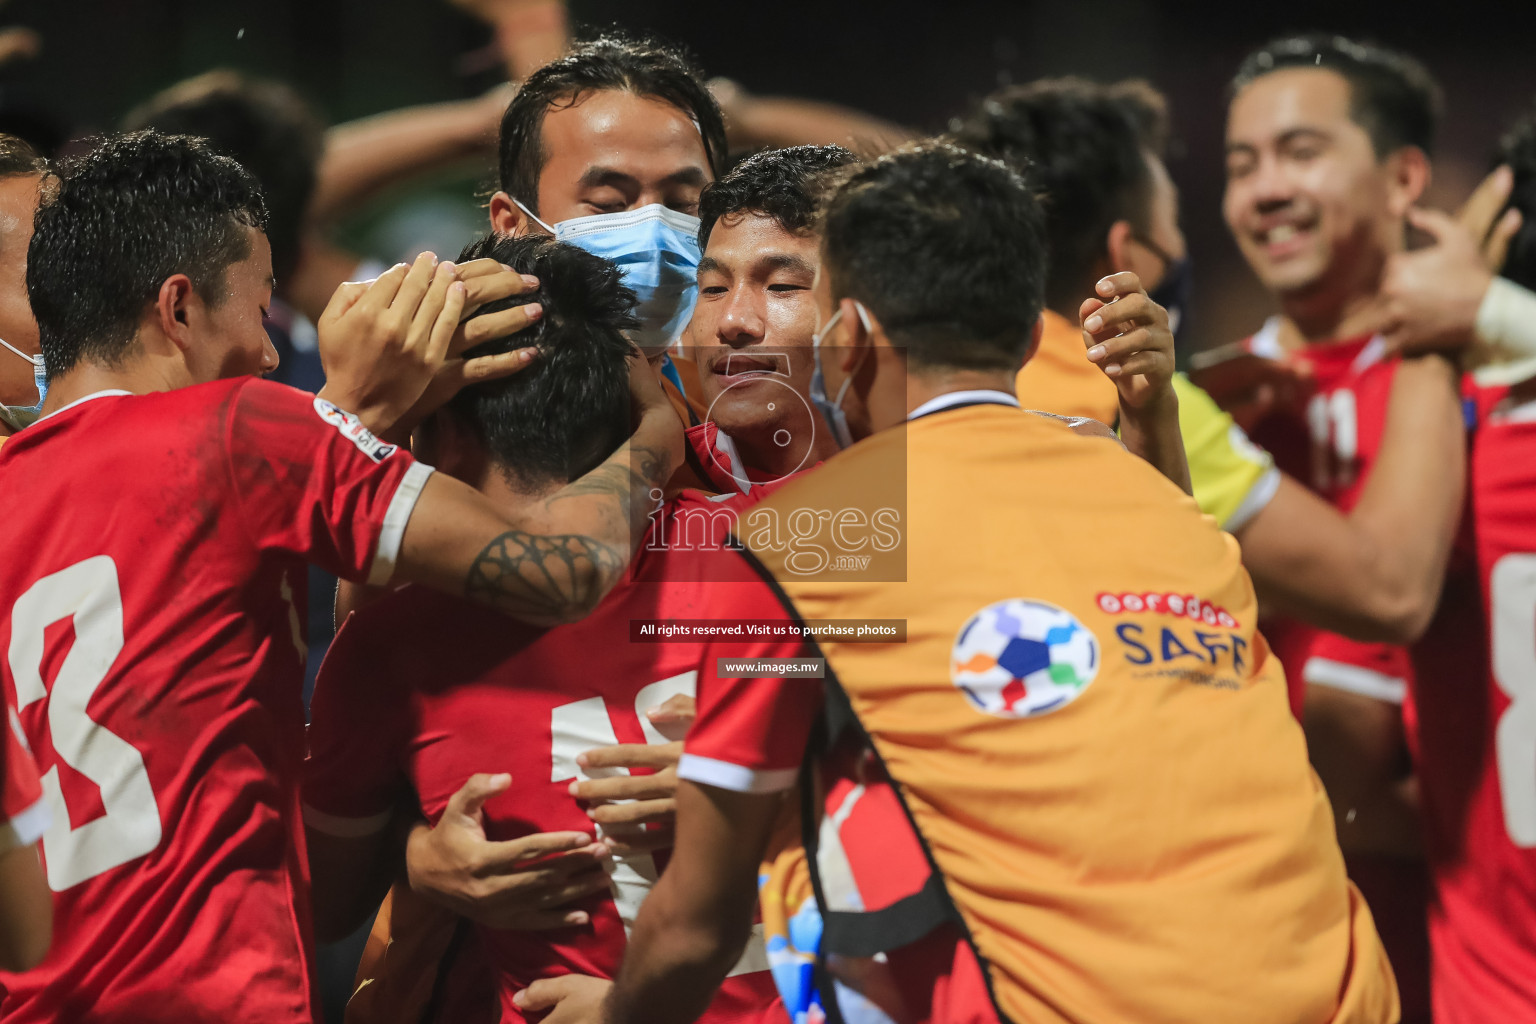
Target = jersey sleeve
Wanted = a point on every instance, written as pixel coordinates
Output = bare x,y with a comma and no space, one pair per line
1233,478
25,809
358,720
752,726
310,479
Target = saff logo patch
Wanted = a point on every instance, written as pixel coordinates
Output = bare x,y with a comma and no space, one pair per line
351,428
1019,658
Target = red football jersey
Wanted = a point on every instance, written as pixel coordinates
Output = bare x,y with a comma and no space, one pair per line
471,692
1474,733
1331,448
152,579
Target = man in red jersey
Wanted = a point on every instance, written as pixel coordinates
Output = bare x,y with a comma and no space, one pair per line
751,335
1327,151
153,637
1473,727
470,695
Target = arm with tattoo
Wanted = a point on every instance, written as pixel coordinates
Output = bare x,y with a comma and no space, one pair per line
556,562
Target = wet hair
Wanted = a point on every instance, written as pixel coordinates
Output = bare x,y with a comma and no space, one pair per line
1391,95
778,183
613,62
946,247
134,211
569,410
19,158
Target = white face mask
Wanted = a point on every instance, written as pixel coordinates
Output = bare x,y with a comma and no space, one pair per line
19,416
832,408
657,251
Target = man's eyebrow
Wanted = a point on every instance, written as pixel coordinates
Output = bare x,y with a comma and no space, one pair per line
1289,135
688,176
606,176
789,261
709,264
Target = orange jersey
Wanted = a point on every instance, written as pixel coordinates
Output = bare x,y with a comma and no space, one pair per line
1089,734
1059,378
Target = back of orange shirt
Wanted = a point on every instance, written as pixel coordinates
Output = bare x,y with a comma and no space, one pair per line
1060,379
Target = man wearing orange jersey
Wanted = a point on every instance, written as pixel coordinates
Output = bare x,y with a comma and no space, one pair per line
1074,793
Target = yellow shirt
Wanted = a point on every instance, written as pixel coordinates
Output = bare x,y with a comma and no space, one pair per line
1129,828
1059,378
1233,478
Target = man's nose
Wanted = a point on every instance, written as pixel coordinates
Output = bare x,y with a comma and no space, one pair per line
741,323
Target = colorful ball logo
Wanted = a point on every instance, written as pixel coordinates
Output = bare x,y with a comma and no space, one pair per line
1018,659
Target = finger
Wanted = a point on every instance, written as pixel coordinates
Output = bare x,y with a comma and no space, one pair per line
475,792
634,812
1496,248
1153,364
625,787
428,310
484,267
344,298
570,890
382,291
423,275
1115,318
446,325
1118,285
490,326
502,284
648,841
1121,347
542,920
1438,224
675,708
1482,207
515,856
1090,305
493,367
541,995
631,755
505,897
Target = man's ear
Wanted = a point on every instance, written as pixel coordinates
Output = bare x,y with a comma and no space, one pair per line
1116,244
1409,174
859,329
507,218
176,294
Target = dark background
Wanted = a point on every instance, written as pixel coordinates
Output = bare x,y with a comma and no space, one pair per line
916,63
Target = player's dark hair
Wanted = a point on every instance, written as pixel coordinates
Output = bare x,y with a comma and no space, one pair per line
263,124
1518,149
1391,95
778,183
946,247
569,410
19,158
1084,145
123,218
611,62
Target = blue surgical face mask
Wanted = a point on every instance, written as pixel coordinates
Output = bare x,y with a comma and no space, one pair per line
657,251
832,408
19,416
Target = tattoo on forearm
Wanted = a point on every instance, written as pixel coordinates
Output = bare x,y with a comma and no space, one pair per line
545,576
628,480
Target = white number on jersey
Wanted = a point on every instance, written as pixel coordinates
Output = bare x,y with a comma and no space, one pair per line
1334,426
87,591
1512,585
581,725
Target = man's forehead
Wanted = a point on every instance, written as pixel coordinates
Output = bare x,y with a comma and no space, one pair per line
1288,99
750,236
640,136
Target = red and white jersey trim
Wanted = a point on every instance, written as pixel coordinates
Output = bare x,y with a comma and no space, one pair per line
737,778
1339,675
395,517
